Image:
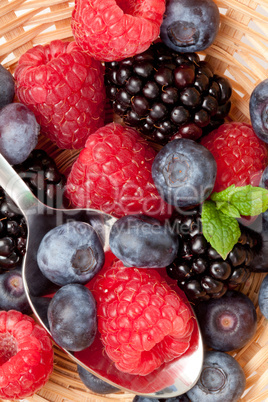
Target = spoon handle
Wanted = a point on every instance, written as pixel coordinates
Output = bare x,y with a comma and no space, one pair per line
15,187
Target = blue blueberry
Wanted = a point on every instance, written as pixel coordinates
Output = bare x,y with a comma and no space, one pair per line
258,107
264,179
180,398
143,242
184,173
94,383
70,253
258,230
227,323
19,132
72,317
7,87
12,293
263,297
222,379
190,25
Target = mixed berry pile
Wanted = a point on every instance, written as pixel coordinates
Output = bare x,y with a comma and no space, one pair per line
187,186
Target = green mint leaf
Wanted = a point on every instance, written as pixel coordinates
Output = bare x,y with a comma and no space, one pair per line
220,230
248,200
228,209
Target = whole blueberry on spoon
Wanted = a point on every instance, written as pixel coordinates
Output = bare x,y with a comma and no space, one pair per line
143,242
70,253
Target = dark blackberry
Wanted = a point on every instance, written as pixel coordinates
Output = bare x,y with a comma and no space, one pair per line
13,234
166,86
41,174
200,271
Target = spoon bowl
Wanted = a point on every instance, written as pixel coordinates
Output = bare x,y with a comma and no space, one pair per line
171,379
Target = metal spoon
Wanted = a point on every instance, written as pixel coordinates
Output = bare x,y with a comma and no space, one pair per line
171,379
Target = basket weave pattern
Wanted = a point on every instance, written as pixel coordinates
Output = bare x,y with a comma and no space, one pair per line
240,53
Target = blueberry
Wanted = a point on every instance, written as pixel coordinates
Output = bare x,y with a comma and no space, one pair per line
179,398
7,87
184,173
72,317
227,323
139,398
259,231
19,132
222,379
263,297
70,253
143,242
94,383
264,179
190,25
12,293
258,107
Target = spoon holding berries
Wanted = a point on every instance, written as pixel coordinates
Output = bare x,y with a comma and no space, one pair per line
172,376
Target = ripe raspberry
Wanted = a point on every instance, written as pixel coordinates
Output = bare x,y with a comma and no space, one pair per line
240,155
26,355
64,87
113,174
143,323
115,29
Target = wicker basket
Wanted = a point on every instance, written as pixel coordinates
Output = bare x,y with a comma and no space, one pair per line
240,53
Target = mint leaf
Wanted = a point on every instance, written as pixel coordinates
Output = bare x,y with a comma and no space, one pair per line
228,209
224,195
220,230
248,200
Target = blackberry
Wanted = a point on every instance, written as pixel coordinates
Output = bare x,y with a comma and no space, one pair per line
198,268
167,95
40,173
13,234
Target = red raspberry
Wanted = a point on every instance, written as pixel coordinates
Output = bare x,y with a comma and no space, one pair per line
26,360
64,87
115,29
113,174
240,155
143,323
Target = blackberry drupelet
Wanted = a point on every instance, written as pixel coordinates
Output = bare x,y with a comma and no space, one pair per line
200,271
41,174
167,95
